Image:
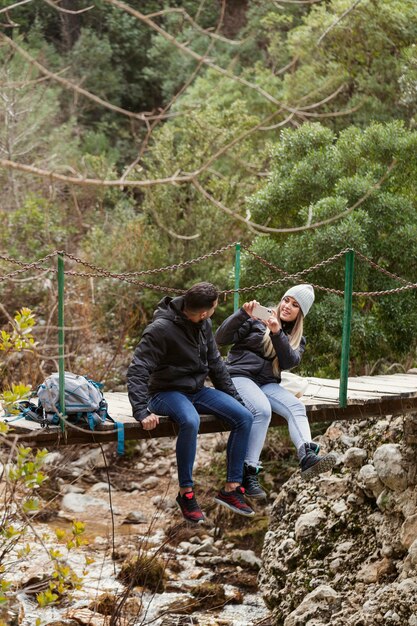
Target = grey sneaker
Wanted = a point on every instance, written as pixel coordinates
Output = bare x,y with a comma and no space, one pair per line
312,465
251,484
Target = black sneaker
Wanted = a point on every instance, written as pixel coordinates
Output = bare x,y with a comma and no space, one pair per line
235,501
313,465
314,446
250,482
189,508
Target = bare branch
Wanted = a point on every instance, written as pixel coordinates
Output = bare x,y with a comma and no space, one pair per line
336,21
93,182
55,5
240,138
223,207
13,6
171,232
194,24
295,2
143,117
297,229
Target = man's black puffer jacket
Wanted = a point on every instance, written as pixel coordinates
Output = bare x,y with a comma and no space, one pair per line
246,357
174,354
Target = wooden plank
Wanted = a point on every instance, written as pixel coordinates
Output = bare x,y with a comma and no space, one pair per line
363,386
407,379
368,396
53,437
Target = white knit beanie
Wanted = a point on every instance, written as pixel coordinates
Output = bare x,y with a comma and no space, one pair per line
304,294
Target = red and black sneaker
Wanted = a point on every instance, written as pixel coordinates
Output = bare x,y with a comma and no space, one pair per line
189,507
235,501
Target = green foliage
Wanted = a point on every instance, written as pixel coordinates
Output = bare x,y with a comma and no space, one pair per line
21,337
317,175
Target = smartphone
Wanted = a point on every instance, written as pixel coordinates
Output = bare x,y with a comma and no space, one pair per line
262,312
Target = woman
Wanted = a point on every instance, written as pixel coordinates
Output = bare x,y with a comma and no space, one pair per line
260,350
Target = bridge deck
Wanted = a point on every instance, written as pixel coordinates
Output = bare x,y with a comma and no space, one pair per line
368,396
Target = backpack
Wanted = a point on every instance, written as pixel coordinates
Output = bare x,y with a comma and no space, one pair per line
85,404
84,401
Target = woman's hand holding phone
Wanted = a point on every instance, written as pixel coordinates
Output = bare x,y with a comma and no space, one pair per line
249,306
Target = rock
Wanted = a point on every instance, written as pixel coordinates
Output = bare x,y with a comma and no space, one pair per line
72,489
332,486
355,457
386,500
150,483
334,433
135,517
53,458
78,502
369,481
408,585
307,523
206,548
347,440
412,553
247,557
323,601
101,487
373,572
408,532
339,507
388,464
164,503
92,458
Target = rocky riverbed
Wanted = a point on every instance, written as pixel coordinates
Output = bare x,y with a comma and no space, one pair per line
145,565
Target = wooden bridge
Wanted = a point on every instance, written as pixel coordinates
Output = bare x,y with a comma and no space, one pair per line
368,396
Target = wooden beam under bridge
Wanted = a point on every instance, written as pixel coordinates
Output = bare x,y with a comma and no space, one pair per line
368,397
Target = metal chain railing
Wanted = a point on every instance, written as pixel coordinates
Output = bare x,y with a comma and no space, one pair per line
381,269
26,266
297,275
158,270
127,277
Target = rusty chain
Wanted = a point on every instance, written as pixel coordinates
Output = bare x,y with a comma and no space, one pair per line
125,277
25,266
289,276
381,269
176,266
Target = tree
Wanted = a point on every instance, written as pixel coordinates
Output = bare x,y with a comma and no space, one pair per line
317,175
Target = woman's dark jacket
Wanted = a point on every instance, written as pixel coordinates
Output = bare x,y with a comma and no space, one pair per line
174,354
246,357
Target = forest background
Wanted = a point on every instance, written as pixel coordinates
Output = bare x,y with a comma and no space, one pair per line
144,134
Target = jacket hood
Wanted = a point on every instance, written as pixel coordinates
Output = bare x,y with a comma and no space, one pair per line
170,308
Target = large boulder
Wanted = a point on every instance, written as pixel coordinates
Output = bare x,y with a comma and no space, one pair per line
341,550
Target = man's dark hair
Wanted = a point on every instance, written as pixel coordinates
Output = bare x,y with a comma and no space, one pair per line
200,297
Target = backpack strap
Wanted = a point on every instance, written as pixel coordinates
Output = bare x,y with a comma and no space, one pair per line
120,427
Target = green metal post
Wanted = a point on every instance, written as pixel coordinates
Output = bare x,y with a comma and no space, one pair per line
347,318
237,277
61,362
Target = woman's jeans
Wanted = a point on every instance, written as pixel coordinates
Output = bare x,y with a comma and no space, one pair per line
184,409
261,401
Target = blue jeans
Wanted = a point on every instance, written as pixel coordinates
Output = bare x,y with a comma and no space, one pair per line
184,409
261,401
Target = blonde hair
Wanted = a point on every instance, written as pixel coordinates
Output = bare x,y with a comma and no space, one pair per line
294,338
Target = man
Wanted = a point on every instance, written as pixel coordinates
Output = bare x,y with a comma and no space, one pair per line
166,377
